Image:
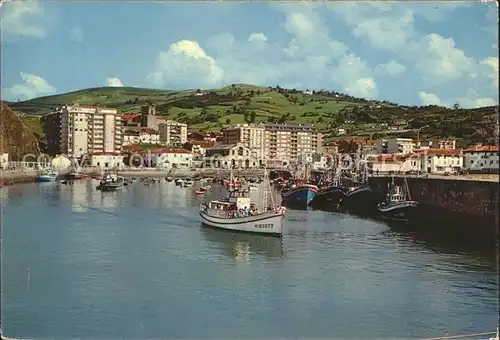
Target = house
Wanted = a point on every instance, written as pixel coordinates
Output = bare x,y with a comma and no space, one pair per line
308,92
393,163
481,159
353,145
4,160
131,121
395,145
331,148
143,136
198,148
341,132
173,158
231,156
441,161
104,160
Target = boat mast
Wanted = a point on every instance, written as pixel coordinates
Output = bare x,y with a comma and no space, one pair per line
407,189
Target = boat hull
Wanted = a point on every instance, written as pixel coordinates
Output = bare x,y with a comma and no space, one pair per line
328,197
110,187
46,178
401,211
300,196
268,223
361,200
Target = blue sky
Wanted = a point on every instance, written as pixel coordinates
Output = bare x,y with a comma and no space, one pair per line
408,52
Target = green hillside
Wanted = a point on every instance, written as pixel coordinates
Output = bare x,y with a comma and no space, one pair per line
241,103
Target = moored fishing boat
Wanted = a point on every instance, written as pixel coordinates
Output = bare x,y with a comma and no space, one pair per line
398,204
188,182
299,195
169,179
47,175
237,213
179,181
74,175
110,183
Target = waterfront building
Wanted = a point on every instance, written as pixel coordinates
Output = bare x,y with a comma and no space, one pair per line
171,158
384,164
143,136
78,130
331,148
110,160
351,146
4,160
252,136
279,144
395,145
231,156
284,142
481,159
441,161
198,148
172,133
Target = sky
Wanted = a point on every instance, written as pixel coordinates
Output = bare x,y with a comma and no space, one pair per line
411,53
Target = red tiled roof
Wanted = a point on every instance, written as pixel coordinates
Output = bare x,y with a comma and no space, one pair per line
203,144
131,133
441,152
483,148
105,154
130,116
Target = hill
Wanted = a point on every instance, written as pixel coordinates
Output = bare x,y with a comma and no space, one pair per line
327,110
16,137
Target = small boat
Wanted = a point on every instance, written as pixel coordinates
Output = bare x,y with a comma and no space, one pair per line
299,195
179,181
110,183
237,213
200,192
74,175
398,204
48,175
205,188
169,179
188,182
331,195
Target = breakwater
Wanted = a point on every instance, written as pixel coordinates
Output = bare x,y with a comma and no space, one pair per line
461,202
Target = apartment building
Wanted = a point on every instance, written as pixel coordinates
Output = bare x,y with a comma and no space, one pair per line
77,130
482,159
252,136
395,145
172,133
278,144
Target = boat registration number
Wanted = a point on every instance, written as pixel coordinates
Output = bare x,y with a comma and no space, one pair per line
264,225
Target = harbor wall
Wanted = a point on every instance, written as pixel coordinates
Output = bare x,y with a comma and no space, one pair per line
464,202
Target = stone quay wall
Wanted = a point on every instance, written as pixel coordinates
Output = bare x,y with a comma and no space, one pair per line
452,200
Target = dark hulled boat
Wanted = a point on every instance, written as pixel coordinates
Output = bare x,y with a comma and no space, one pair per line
331,195
398,204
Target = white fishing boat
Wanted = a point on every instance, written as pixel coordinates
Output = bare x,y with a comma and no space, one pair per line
179,181
237,213
188,182
48,175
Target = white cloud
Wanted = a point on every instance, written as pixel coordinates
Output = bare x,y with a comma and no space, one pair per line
23,18
113,82
430,99
183,62
492,62
391,68
257,37
441,60
32,86
76,34
470,100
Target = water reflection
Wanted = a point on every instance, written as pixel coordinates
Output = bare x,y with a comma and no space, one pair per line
242,246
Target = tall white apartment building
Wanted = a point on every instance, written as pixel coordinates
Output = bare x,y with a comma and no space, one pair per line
78,130
278,144
395,145
172,133
251,136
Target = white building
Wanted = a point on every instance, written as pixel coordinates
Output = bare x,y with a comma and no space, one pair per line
440,161
144,136
77,130
395,145
481,159
394,163
174,159
172,133
4,160
106,160
231,156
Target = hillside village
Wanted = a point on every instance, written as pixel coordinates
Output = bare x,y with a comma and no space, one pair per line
283,126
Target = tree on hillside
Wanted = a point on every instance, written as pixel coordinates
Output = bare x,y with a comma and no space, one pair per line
253,115
228,121
456,106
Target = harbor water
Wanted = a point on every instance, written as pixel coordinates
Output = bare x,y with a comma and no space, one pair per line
137,264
